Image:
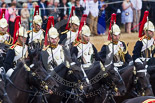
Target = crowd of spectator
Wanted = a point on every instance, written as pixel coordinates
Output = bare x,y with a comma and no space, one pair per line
128,13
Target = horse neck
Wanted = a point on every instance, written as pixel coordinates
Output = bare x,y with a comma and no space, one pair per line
127,77
61,70
19,80
94,70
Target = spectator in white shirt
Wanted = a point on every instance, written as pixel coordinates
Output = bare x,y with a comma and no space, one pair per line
93,16
137,6
85,5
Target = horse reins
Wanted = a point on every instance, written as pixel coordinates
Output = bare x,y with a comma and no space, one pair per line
135,82
109,96
33,74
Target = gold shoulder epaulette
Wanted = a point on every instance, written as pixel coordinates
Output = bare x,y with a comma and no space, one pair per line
29,31
45,48
140,39
64,32
107,43
13,46
43,30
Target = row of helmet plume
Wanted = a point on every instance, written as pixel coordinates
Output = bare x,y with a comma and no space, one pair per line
50,23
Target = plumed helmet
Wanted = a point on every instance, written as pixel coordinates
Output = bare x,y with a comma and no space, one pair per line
149,26
74,20
115,30
85,30
3,23
22,32
53,33
37,20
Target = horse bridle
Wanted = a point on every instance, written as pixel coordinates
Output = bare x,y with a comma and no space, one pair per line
139,91
43,83
109,96
110,82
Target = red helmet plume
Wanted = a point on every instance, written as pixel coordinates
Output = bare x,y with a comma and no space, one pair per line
49,23
144,20
2,14
36,12
71,14
83,21
112,21
16,28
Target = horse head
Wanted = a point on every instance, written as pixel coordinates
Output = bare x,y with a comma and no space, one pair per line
141,79
33,49
142,83
38,75
74,66
39,78
113,78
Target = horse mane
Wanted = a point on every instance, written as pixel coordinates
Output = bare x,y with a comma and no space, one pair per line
126,75
127,70
94,69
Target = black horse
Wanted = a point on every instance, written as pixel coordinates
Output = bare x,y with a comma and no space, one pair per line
107,84
79,91
30,81
137,83
69,78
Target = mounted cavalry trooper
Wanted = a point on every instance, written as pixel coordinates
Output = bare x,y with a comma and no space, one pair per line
115,47
144,47
69,36
84,50
5,37
18,50
52,54
37,34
